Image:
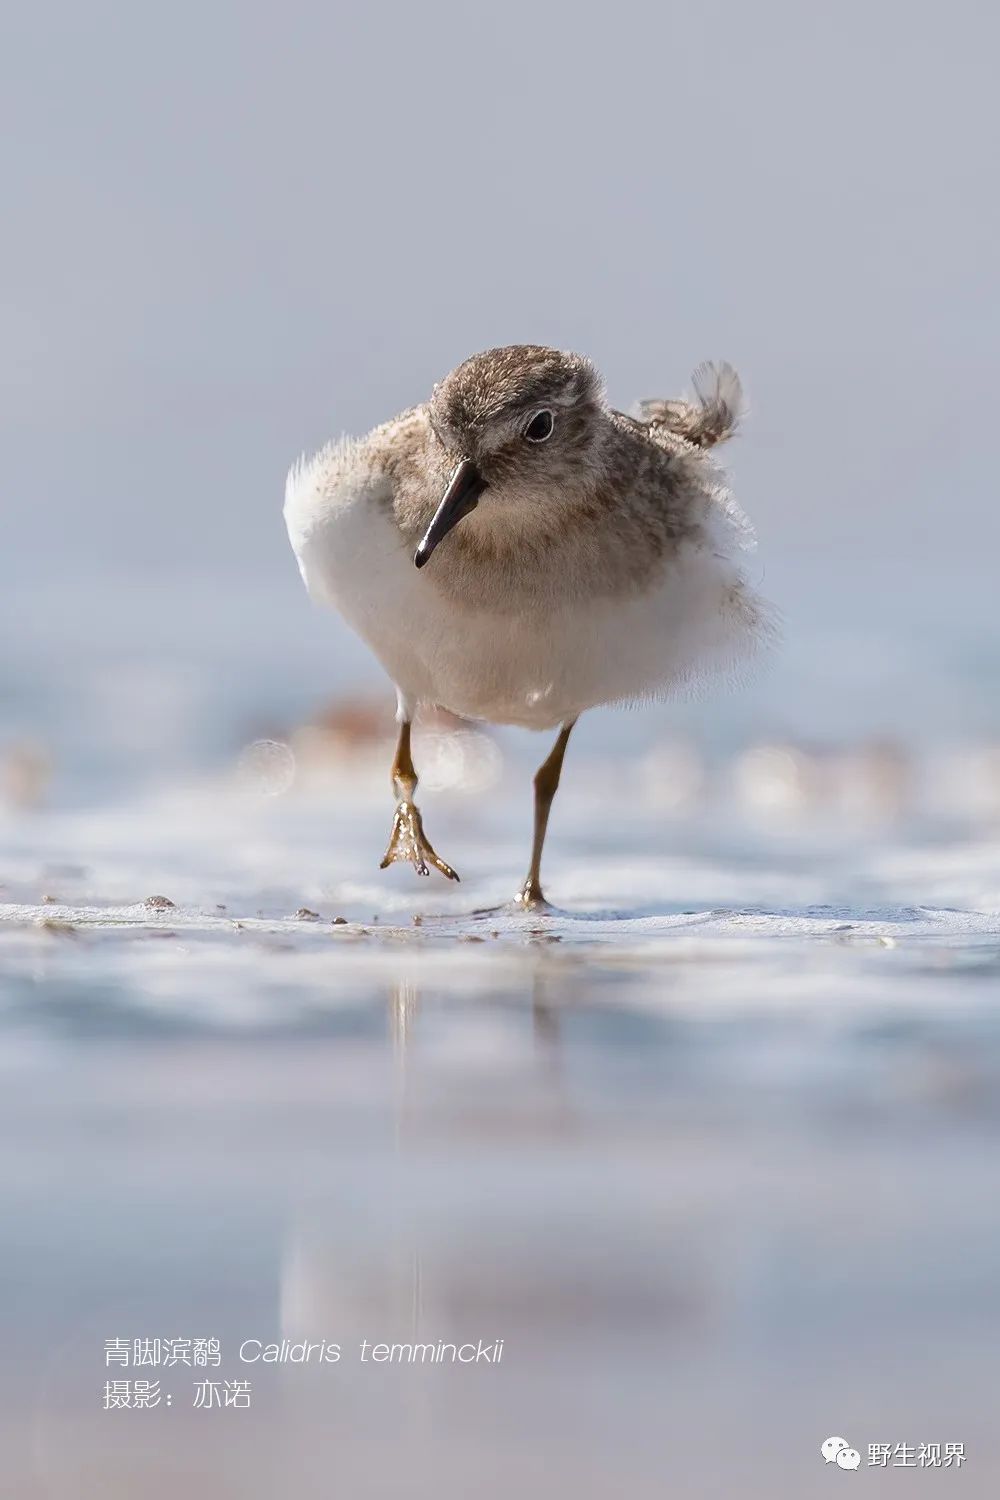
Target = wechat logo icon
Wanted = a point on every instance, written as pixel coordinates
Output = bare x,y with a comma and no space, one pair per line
837,1450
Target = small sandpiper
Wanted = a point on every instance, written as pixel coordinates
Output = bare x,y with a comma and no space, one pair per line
516,551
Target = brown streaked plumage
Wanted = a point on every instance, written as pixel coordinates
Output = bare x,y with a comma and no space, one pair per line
516,550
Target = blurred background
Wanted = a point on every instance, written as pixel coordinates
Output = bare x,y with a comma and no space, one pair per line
235,231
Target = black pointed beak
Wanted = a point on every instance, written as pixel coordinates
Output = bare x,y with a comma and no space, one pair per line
462,495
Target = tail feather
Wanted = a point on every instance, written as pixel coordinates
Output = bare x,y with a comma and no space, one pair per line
712,416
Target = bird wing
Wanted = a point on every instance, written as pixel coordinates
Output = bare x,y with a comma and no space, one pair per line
709,417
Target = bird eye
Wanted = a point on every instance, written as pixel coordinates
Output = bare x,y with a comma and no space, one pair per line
540,427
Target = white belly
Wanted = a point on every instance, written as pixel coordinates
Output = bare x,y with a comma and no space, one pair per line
537,668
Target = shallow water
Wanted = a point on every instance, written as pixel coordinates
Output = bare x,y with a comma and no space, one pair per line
711,1148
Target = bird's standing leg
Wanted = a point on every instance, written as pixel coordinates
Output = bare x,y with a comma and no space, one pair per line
546,783
407,839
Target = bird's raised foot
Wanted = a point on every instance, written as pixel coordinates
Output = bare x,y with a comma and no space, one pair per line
407,841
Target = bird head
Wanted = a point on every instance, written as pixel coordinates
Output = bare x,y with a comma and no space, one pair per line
516,424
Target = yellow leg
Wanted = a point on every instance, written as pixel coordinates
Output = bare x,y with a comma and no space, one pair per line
546,784
407,839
